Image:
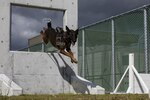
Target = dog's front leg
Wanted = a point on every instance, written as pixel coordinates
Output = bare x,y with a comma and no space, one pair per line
69,55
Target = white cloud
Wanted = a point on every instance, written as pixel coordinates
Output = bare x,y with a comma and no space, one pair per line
23,28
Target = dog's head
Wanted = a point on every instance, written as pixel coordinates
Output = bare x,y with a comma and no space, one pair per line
72,34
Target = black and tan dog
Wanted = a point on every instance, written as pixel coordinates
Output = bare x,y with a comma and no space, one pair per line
60,39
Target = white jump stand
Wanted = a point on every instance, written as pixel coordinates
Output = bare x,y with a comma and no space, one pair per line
136,82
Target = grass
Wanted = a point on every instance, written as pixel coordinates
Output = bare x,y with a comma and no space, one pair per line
78,97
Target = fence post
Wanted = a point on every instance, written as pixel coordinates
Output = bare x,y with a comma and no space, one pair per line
145,40
83,53
43,47
113,53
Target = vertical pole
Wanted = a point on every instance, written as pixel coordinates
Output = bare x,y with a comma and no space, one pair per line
113,53
43,47
28,48
145,41
83,53
131,74
131,59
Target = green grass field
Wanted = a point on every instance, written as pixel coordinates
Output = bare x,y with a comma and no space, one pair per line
78,97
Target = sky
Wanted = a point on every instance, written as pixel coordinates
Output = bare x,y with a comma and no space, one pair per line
27,22
96,10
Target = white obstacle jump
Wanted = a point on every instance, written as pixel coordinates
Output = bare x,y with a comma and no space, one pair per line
137,81
8,87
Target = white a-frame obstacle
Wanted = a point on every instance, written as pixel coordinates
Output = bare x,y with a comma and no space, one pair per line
137,81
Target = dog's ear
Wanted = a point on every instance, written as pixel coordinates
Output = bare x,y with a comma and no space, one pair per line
44,28
77,31
41,32
67,28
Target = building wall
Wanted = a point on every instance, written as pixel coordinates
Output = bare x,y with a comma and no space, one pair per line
41,73
36,72
35,40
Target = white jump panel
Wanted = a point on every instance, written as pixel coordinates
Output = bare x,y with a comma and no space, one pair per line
8,87
138,87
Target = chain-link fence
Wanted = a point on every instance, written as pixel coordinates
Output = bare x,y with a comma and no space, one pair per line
97,54
103,48
108,43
